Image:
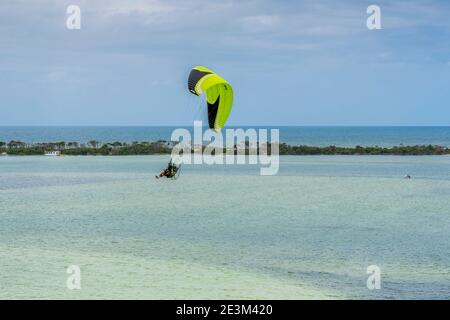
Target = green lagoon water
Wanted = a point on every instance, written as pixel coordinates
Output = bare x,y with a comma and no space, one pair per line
225,232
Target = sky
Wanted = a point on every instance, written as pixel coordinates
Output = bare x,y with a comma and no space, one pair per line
290,62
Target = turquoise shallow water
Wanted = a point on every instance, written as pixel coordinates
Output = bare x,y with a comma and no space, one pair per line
225,232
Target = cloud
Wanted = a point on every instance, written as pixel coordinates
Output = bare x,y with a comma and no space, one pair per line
149,7
180,30
413,14
131,52
260,23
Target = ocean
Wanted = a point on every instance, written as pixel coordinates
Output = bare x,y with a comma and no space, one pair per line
313,136
224,232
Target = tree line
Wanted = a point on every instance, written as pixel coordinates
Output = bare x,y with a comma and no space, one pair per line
94,147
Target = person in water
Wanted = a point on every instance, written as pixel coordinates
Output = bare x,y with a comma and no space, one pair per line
168,172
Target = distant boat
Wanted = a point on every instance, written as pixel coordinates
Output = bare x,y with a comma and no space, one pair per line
53,153
3,154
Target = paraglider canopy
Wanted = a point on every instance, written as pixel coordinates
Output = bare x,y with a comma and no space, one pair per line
218,92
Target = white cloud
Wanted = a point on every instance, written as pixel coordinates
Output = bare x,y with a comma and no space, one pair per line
260,23
166,26
410,14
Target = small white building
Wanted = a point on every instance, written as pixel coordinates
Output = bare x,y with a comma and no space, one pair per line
53,153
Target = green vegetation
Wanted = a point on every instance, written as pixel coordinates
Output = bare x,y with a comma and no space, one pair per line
91,148
358,150
163,147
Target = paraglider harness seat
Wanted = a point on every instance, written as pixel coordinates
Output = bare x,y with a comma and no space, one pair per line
170,172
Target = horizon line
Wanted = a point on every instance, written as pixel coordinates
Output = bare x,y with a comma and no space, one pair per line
231,126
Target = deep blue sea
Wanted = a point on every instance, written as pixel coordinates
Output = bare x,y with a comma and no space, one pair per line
314,136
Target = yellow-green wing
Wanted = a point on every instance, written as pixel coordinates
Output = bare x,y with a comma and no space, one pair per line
219,95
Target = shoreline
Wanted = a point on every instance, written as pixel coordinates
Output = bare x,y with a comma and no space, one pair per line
162,147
